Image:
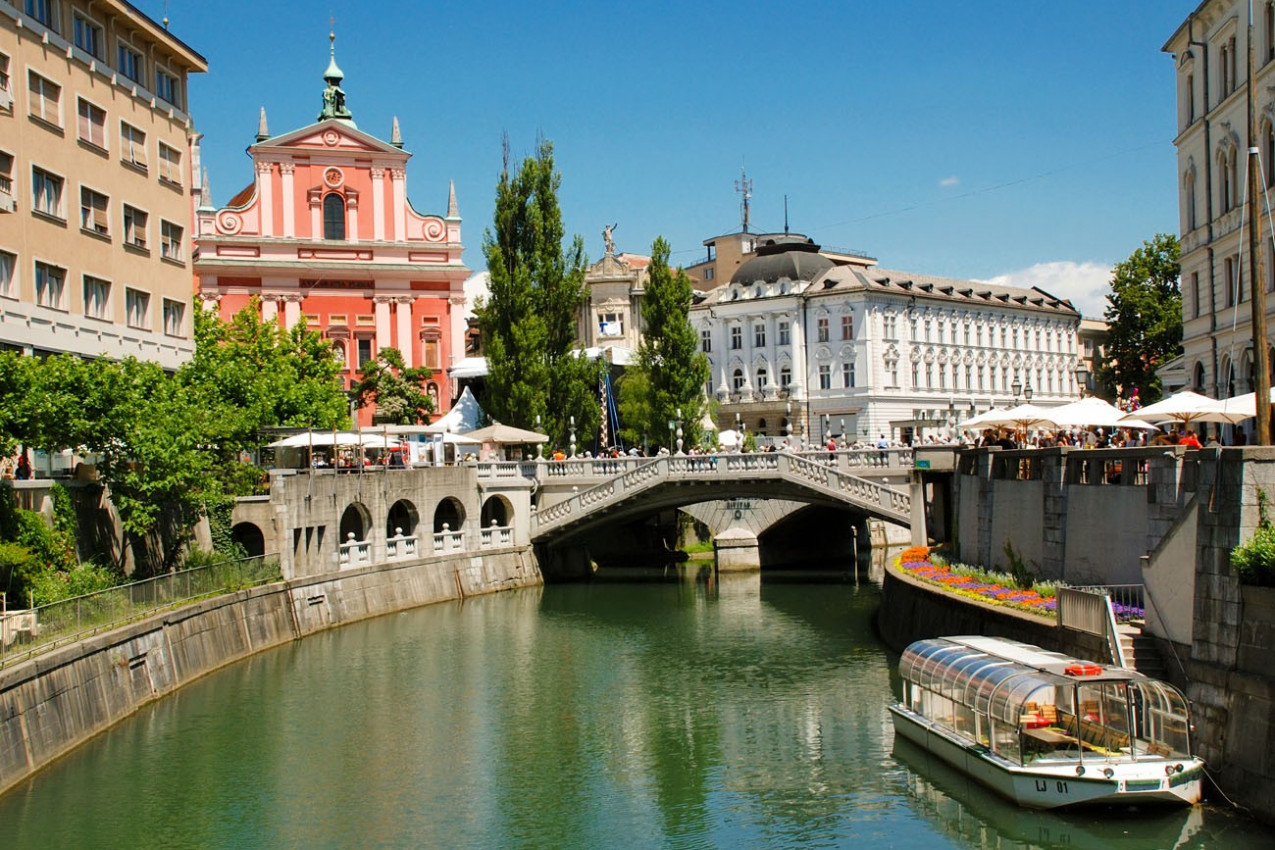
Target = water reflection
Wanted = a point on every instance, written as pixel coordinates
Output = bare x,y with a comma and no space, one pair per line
680,713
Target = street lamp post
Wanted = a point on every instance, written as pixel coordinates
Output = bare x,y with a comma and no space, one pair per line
540,447
573,436
1027,392
1082,378
1017,387
679,430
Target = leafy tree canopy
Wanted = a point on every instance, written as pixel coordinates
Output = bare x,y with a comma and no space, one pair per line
534,369
397,391
1144,313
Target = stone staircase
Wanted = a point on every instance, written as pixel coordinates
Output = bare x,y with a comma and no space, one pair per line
1140,651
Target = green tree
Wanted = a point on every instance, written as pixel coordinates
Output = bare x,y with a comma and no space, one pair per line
671,370
397,391
1144,314
534,368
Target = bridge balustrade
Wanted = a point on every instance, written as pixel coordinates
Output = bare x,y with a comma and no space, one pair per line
448,540
355,553
496,536
400,547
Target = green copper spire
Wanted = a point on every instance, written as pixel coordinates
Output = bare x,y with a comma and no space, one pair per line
333,97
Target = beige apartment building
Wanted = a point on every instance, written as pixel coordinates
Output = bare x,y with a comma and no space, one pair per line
1210,52
95,182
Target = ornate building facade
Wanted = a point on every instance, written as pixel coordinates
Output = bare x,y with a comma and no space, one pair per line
802,345
95,182
326,232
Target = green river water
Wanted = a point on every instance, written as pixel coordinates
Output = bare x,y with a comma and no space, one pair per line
731,713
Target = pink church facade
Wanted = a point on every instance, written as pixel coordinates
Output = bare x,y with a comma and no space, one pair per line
326,232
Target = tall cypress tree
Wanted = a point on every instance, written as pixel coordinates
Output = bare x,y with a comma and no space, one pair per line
671,371
529,322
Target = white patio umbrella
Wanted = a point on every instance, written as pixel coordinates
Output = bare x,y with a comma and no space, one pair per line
982,420
1186,407
367,439
728,439
1245,405
1022,417
1095,413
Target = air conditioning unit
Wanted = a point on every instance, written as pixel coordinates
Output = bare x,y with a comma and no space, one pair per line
7,203
6,99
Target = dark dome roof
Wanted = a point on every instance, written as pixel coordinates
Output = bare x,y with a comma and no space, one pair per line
783,257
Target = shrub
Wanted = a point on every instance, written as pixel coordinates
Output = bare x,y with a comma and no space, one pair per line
85,578
1254,560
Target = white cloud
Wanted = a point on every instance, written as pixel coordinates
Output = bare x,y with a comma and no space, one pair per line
1085,284
950,181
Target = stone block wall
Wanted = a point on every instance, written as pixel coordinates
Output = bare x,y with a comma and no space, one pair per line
60,699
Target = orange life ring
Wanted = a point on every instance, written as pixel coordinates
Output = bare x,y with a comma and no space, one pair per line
1083,670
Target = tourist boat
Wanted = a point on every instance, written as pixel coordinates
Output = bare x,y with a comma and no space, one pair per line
1044,729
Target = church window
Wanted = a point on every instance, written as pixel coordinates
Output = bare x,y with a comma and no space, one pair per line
333,217
706,340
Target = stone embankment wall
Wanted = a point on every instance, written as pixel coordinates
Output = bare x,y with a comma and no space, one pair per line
58,700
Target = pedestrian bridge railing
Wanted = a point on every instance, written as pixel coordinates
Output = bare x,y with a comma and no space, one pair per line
808,473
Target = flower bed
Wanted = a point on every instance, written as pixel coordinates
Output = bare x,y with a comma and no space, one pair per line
915,561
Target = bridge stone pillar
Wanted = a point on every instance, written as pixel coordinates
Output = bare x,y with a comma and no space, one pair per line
862,545
920,534
737,550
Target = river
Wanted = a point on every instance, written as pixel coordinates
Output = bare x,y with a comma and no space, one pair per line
684,714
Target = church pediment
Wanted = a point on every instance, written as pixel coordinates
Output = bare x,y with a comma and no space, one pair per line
331,135
609,266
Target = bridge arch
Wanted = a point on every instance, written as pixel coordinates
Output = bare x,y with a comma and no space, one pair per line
402,518
497,510
248,537
449,512
355,520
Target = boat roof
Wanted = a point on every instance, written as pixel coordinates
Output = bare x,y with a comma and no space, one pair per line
1041,659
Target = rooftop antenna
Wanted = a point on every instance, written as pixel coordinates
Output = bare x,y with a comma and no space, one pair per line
785,215
744,186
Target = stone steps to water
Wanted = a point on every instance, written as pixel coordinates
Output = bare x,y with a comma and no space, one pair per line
1140,651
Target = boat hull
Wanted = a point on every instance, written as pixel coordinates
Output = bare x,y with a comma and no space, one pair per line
1056,784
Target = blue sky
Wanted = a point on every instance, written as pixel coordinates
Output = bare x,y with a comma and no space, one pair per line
1025,142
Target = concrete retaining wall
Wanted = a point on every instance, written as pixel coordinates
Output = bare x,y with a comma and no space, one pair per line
58,700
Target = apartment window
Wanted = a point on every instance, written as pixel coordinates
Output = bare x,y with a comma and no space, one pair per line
333,216
611,324
8,263
759,335
132,145
135,226
847,327
129,62
929,376
737,380
736,338
97,298
847,375
708,273
763,378
785,377
1195,294
43,11
4,74
49,282
822,325
92,124
137,308
170,240
785,333
706,340
166,86
46,192
6,173
825,376
981,375
364,350
969,377
93,211
174,317
45,101
88,36
893,368
170,164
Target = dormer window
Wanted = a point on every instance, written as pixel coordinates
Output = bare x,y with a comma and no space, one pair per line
334,217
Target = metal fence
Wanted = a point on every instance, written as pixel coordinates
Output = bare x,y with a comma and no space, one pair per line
28,633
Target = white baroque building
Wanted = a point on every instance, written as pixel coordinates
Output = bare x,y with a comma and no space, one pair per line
804,346
1210,51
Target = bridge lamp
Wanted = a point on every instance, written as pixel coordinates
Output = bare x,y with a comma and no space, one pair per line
788,420
1017,387
1027,392
540,447
679,430
573,436
672,428
827,426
